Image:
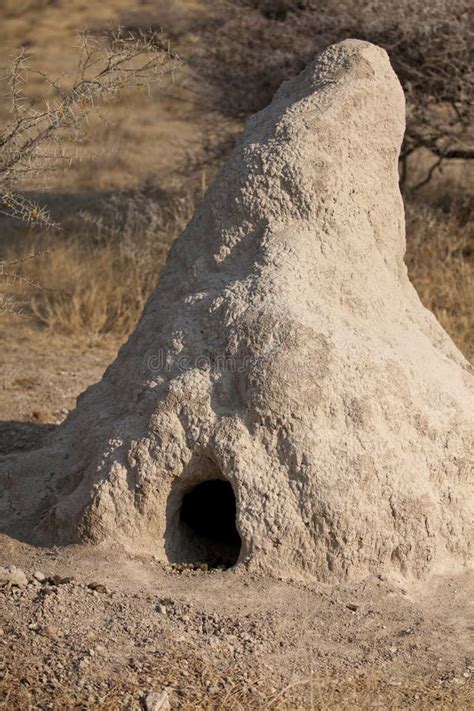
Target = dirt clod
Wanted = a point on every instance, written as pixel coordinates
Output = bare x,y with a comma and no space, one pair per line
13,576
157,701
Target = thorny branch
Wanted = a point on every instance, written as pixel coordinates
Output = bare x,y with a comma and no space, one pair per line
106,68
32,144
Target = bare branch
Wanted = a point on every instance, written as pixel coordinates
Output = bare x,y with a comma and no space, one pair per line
32,143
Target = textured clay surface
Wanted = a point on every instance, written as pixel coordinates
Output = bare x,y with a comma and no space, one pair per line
284,351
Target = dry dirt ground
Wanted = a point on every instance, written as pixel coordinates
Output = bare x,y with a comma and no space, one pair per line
105,630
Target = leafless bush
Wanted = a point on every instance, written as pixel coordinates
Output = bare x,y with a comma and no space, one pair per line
34,143
254,45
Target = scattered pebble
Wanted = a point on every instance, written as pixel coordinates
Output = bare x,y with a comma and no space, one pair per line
157,701
51,632
58,580
13,576
97,587
180,567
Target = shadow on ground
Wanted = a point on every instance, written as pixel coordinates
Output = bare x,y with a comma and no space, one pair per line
22,436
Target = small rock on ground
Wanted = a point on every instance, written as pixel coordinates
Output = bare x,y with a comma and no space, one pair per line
13,576
157,701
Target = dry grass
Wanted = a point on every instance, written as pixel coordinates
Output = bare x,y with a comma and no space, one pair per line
234,694
95,291
99,278
195,682
440,260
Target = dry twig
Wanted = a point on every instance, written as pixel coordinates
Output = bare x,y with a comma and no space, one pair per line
33,143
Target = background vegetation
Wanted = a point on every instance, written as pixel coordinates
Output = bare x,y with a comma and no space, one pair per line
137,177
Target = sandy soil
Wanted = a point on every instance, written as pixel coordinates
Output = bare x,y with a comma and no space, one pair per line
40,380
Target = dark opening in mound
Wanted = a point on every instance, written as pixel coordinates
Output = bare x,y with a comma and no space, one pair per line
207,520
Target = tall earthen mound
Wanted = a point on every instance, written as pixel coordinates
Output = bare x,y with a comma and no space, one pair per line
285,400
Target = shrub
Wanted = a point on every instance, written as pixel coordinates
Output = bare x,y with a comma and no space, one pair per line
33,143
254,45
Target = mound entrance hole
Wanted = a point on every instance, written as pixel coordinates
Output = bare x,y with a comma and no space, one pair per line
206,529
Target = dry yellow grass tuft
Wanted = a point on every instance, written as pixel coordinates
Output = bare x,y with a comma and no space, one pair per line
440,260
92,291
99,279
98,283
